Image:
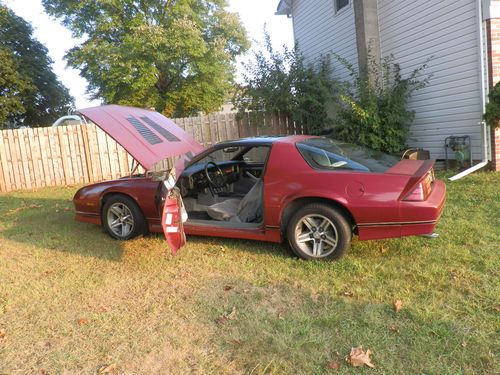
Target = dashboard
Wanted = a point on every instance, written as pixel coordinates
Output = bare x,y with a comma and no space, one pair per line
194,179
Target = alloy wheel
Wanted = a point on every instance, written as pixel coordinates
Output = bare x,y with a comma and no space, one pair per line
316,235
120,219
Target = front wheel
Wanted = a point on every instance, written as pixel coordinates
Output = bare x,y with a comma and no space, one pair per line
122,218
319,231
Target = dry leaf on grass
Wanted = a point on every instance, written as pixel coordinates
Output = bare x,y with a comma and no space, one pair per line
334,365
232,314
227,316
398,305
227,288
394,329
2,334
108,369
359,357
82,321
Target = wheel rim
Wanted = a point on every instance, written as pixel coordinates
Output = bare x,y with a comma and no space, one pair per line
316,235
120,219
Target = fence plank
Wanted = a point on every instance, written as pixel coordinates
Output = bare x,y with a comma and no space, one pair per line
4,172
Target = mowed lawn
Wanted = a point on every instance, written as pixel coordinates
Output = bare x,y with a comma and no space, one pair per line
72,300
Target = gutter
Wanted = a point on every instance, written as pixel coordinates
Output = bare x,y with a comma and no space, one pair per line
485,129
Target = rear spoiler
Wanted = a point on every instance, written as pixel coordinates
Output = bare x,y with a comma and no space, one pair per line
417,177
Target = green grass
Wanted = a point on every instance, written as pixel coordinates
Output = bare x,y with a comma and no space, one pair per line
74,300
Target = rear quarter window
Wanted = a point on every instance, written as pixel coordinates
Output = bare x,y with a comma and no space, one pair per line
330,154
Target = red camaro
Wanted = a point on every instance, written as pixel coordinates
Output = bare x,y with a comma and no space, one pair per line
314,192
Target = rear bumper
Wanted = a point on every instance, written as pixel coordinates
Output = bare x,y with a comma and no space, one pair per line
415,217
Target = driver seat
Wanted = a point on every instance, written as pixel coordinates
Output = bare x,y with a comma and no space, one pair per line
244,210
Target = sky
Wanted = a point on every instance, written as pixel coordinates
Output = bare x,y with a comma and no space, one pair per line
253,13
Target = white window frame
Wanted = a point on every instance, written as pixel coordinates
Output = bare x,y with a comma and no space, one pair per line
343,9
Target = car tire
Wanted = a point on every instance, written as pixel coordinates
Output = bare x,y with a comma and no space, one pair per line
122,218
319,231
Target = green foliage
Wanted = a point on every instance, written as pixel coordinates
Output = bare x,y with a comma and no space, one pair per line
30,91
372,108
12,88
175,56
492,112
280,81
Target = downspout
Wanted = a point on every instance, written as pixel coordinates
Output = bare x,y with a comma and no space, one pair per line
485,128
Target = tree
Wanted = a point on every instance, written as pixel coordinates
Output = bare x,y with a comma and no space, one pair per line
12,89
281,81
176,56
35,96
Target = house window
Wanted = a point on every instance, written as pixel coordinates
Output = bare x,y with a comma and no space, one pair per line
340,4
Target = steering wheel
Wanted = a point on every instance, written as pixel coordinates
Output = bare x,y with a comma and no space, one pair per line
216,178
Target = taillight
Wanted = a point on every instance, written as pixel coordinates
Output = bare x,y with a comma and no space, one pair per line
417,194
423,189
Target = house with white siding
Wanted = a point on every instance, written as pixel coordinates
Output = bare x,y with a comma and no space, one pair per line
460,35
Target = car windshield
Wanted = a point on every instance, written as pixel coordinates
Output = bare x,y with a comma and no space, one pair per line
326,153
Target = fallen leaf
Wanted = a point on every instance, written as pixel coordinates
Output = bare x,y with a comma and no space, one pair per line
108,369
227,316
398,305
2,334
82,321
394,329
236,342
221,320
335,365
232,314
358,357
497,308
42,372
228,288
382,249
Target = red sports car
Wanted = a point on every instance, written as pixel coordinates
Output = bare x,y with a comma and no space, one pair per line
313,192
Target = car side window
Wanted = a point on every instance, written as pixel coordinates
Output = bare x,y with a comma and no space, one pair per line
256,155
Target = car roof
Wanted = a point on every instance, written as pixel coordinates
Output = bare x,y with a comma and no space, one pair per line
263,140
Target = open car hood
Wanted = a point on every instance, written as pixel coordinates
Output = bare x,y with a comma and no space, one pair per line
148,136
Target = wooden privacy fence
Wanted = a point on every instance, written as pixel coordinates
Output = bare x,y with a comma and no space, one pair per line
78,154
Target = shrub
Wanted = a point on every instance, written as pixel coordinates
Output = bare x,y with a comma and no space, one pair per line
492,113
281,81
372,109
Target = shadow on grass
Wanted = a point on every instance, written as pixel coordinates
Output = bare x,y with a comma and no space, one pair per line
247,246
49,224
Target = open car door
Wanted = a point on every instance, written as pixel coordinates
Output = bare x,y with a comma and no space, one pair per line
151,138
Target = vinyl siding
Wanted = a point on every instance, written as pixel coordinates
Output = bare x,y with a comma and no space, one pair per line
450,104
319,32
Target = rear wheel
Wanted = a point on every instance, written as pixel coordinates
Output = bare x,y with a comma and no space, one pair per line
319,231
122,218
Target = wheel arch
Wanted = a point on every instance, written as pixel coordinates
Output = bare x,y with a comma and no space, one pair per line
295,204
109,194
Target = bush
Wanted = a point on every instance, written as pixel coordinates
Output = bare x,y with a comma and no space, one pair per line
372,109
492,113
282,82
